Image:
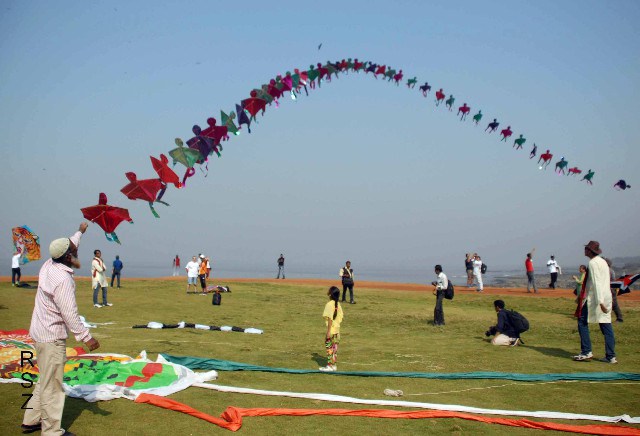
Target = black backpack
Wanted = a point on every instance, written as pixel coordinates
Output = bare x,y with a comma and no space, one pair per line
483,268
518,321
217,299
448,293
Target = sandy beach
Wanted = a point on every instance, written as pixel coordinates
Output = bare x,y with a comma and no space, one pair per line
632,297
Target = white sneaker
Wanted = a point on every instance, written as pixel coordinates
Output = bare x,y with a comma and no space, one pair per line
97,305
583,357
612,360
328,368
108,304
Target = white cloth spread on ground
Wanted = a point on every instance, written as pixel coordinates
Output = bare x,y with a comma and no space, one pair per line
433,406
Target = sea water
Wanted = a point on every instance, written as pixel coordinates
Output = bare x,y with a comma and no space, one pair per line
364,273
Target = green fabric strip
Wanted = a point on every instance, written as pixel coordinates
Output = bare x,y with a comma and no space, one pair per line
226,365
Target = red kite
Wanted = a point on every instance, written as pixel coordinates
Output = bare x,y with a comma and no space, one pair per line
106,216
253,105
166,174
146,189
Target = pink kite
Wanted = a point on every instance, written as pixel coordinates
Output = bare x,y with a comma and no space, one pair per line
464,110
398,77
439,97
216,133
506,133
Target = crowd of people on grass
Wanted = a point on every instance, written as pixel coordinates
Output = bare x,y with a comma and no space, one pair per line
596,300
55,313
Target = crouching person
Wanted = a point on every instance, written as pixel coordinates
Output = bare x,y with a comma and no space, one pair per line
504,332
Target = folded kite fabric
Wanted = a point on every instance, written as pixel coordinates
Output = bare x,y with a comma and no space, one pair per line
182,325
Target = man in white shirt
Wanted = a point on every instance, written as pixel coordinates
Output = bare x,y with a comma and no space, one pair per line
192,274
554,269
15,268
440,285
477,271
595,305
99,279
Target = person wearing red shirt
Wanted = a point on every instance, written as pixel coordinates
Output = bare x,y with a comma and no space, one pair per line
176,265
531,280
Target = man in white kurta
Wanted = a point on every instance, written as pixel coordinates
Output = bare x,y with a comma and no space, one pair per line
477,272
99,279
594,305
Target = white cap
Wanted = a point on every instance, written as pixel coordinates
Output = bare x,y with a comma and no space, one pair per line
59,247
202,256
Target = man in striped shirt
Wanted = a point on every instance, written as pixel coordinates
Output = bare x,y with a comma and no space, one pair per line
54,312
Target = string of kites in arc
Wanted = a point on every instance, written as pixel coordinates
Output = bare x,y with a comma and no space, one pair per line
208,141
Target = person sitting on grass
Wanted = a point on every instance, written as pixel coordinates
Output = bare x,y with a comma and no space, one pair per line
333,318
504,333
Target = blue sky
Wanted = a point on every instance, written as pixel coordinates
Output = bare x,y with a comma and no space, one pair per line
360,169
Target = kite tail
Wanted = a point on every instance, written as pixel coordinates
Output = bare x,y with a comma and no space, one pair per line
306,90
153,211
161,193
293,95
162,202
189,173
206,168
112,237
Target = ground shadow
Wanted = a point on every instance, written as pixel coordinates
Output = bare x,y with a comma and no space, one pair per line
320,359
2,306
554,352
74,407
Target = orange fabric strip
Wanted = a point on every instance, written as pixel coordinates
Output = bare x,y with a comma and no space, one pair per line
231,419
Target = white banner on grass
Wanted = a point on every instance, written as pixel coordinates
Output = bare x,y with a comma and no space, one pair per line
432,406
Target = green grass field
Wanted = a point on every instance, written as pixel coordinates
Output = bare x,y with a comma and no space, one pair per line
384,331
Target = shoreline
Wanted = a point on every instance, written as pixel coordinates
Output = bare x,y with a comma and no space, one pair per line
393,286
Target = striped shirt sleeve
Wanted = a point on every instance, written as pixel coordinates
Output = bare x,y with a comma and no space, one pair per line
65,299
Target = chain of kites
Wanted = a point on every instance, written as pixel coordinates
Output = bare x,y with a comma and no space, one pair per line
208,141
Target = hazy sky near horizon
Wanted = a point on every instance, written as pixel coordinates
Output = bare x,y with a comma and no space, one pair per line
359,169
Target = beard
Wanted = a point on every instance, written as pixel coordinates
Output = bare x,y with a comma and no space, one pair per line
74,262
